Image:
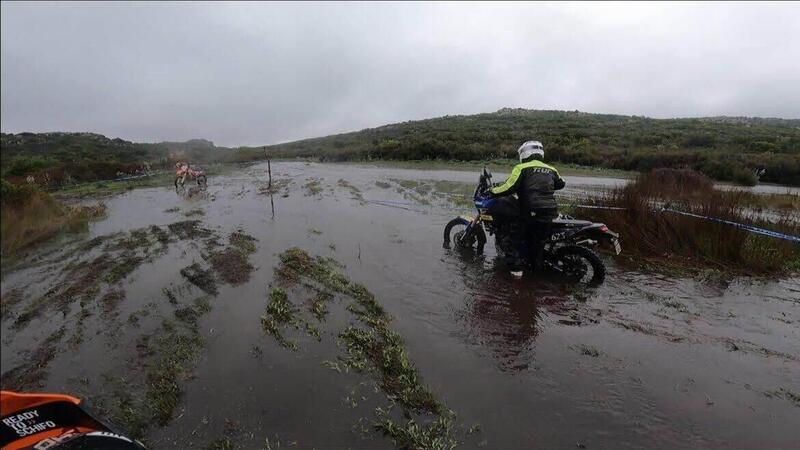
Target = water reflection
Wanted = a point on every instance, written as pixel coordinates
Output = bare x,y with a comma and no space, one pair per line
192,192
504,314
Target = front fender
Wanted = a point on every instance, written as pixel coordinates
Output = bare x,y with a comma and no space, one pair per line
468,222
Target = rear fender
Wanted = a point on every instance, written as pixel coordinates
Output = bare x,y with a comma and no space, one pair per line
598,231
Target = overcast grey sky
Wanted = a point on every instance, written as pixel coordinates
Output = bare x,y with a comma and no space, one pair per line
250,73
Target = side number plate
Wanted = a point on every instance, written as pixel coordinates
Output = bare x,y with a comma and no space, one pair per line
617,247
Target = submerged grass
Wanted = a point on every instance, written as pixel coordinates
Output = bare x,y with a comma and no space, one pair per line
111,300
312,187
279,186
8,300
31,375
587,350
279,314
108,188
409,434
786,394
173,354
126,265
195,212
188,229
163,391
354,191
319,305
164,357
243,242
368,347
167,356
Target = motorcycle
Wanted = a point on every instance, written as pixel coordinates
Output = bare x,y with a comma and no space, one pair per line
568,251
48,421
184,171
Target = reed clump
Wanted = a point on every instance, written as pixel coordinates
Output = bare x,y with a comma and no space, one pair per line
30,215
648,230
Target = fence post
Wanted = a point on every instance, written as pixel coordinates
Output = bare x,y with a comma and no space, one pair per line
269,169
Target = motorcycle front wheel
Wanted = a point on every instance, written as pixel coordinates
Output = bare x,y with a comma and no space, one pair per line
455,232
580,264
179,180
202,181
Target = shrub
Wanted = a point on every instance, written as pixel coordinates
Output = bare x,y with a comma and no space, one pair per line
26,165
744,177
29,215
648,232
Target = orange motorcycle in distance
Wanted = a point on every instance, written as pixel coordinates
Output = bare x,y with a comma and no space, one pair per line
184,170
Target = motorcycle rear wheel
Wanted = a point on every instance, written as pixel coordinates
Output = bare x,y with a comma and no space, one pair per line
580,263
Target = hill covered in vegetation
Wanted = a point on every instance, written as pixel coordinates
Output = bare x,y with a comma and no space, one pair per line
724,148
76,157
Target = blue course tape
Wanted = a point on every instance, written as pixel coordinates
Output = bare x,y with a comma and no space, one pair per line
613,208
750,228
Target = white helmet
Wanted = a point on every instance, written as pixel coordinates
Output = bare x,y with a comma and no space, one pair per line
530,148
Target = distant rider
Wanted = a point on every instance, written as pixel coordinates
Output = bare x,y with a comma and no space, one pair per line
534,182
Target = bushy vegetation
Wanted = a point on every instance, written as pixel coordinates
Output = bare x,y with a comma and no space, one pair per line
57,159
695,242
29,215
727,149
724,148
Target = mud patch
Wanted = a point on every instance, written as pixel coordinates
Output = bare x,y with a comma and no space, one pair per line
201,278
188,229
231,266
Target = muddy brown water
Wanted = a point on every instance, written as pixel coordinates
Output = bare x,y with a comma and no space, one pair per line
641,361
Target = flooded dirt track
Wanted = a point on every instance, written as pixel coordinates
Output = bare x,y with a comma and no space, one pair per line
155,317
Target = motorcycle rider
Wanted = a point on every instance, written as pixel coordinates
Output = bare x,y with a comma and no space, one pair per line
534,182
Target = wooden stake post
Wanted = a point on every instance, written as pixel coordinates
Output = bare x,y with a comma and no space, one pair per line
269,169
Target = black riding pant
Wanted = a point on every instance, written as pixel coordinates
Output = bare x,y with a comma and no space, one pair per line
538,228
